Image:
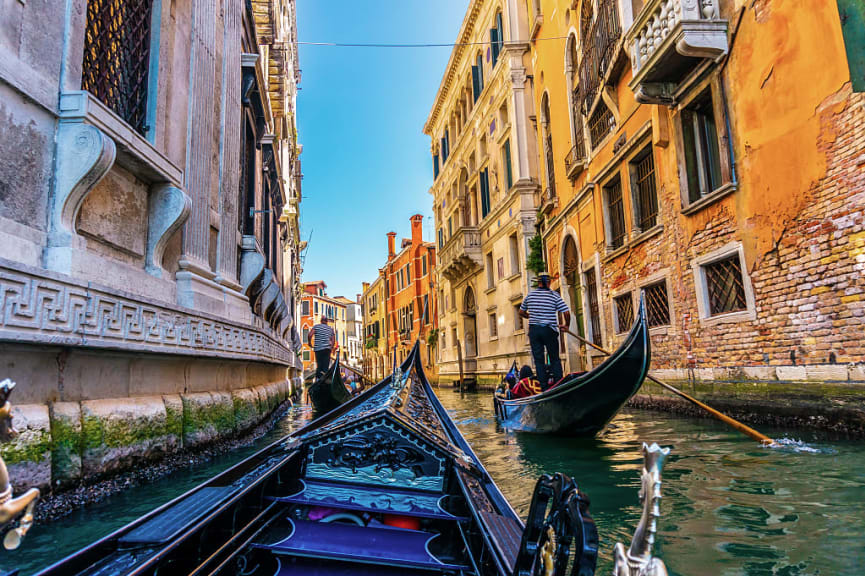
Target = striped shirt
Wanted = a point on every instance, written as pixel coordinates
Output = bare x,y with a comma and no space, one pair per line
322,337
543,306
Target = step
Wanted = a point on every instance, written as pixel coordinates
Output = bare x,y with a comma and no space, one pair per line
367,499
363,544
312,567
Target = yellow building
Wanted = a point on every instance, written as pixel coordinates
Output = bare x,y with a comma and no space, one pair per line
485,190
374,308
692,153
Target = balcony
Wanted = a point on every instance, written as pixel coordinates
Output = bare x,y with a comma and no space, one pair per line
575,161
461,254
668,40
548,200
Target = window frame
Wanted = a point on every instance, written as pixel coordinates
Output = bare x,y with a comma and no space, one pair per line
644,151
493,325
615,177
618,328
655,279
701,286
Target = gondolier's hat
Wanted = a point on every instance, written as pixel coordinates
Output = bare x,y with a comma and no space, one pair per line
544,277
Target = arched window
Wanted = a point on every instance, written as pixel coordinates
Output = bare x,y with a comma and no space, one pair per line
497,37
548,147
478,76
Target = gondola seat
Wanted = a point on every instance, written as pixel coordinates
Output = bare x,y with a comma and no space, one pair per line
363,544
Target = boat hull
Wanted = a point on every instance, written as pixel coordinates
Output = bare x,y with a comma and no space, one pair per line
585,404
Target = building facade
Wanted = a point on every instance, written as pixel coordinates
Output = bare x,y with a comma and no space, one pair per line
354,333
315,304
400,306
149,157
703,164
485,190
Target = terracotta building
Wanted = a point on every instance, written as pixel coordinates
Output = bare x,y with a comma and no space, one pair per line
315,304
707,157
485,190
148,266
408,311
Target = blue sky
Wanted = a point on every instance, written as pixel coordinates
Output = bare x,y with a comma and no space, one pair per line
366,163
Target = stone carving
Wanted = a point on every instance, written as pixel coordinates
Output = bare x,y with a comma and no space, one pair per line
638,560
11,508
169,208
251,264
36,308
84,156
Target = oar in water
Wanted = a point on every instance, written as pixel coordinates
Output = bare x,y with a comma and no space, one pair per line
763,439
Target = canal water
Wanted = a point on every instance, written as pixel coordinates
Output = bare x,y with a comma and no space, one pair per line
730,507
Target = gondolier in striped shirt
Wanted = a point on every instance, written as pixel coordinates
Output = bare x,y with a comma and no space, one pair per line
542,307
322,339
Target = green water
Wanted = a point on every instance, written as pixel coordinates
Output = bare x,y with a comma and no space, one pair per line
729,507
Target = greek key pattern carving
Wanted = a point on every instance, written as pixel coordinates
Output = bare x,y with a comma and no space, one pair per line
34,308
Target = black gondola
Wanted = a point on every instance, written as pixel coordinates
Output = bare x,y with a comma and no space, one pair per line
328,390
582,405
383,484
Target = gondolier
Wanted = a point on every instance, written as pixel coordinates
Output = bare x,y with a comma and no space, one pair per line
542,307
322,339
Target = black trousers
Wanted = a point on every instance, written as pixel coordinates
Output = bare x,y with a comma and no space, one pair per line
322,360
544,338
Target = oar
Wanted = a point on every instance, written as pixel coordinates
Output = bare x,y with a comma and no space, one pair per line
763,439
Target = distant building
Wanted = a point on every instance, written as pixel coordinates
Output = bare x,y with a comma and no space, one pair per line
399,306
354,331
315,303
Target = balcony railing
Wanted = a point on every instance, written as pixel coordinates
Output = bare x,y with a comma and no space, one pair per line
461,254
575,160
668,40
548,200
598,48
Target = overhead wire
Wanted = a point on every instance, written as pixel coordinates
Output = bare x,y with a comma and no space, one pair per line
419,45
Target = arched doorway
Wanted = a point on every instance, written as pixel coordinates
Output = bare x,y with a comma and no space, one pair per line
573,295
470,331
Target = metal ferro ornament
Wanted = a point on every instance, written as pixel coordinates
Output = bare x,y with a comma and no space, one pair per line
638,560
11,508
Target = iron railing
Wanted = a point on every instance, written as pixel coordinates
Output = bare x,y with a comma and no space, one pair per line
598,45
117,57
616,212
725,286
576,156
551,167
594,309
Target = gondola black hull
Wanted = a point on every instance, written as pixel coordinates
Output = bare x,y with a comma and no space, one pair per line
328,391
583,405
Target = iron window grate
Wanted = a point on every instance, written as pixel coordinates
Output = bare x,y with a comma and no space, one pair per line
725,286
117,57
594,309
616,212
646,192
657,304
624,312
601,123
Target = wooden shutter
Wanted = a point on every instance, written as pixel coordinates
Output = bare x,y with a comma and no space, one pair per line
494,45
476,85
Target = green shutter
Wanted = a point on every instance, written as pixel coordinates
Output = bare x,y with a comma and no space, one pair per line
852,13
476,85
509,174
494,45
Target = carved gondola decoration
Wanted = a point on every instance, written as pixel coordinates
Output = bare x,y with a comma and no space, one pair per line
638,560
24,505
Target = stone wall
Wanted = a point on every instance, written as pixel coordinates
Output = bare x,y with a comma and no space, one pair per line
61,444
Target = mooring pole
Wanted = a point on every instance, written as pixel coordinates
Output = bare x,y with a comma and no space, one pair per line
460,361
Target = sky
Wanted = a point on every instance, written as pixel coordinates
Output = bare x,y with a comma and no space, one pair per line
366,162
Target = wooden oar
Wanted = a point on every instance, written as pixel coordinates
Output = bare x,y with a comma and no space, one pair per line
763,439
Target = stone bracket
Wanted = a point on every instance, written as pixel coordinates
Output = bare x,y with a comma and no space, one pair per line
84,155
251,264
168,209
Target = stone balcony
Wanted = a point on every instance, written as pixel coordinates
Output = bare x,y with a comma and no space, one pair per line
547,200
575,160
461,254
668,40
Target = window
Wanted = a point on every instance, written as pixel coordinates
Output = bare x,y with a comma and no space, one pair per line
615,213
500,265
304,308
548,147
506,163
489,266
450,227
316,308
306,355
478,77
725,285
305,335
426,311
594,311
494,329
441,238
643,190
624,305
423,265
601,123
444,337
408,274
514,248
445,146
484,179
497,37
454,338
657,304
701,147
518,320
435,166
116,61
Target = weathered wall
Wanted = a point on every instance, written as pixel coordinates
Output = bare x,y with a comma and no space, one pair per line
62,444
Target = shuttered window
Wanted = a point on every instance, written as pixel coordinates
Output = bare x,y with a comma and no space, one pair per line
485,192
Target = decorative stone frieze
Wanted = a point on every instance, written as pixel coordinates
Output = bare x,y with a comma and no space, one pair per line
44,308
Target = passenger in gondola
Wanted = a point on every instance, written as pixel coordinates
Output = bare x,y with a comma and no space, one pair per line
527,385
542,307
322,339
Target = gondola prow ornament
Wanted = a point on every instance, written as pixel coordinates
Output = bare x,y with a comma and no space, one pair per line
11,508
638,560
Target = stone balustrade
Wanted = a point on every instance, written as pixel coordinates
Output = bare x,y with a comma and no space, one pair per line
461,253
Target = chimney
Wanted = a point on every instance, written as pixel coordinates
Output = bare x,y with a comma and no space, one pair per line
416,230
391,244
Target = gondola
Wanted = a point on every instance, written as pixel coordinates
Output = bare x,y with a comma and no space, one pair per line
383,484
583,404
328,390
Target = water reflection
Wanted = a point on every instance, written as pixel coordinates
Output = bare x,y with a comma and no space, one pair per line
730,507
